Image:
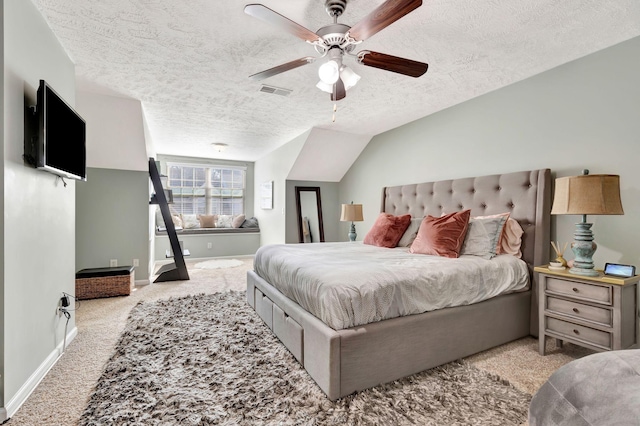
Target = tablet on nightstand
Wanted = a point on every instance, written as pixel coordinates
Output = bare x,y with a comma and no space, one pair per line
617,270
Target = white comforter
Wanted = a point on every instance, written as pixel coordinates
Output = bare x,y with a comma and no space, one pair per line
350,284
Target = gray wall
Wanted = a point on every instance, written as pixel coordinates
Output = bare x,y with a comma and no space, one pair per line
584,114
330,209
38,221
3,410
112,214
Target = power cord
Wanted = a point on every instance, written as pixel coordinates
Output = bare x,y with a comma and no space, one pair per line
64,342
64,309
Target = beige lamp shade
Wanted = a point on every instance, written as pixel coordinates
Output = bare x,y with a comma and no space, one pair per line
351,213
587,195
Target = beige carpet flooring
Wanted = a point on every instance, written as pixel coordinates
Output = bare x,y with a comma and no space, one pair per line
62,395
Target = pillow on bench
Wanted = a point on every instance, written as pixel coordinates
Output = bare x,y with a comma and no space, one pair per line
192,221
208,220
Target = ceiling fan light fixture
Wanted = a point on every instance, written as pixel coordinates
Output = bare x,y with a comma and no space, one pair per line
349,77
329,72
325,87
336,40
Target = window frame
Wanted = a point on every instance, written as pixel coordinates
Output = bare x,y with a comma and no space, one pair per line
209,188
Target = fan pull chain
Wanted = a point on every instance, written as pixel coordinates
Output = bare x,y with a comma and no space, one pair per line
335,108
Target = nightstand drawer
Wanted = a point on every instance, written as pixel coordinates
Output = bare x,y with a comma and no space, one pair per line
588,292
590,313
575,331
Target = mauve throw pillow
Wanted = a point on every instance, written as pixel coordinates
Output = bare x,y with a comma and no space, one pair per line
387,230
512,239
208,220
442,236
238,220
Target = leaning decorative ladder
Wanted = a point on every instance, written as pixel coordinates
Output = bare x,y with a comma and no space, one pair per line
178,269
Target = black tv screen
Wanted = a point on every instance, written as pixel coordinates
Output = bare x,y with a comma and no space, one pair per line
61,136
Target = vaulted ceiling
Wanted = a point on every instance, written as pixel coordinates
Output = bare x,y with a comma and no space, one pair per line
188,62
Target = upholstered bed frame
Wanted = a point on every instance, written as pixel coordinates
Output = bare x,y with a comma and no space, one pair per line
357,358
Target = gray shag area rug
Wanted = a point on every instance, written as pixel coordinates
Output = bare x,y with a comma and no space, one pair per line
209,360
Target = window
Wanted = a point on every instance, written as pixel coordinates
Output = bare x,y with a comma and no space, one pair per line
201,189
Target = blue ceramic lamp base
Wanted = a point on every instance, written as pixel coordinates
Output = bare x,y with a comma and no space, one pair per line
352,232
583,248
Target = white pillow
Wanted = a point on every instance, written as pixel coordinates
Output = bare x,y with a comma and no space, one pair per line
411,233
483,236
190,221
224,221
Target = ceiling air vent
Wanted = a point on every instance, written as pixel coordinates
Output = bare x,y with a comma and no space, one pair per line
275,90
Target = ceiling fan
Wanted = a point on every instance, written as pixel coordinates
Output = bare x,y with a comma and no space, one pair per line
336,41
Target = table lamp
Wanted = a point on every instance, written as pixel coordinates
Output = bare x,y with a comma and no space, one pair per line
584,195
352,213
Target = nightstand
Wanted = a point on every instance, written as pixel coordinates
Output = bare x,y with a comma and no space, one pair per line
600,313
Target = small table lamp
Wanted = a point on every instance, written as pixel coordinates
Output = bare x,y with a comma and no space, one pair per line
583,195
352,213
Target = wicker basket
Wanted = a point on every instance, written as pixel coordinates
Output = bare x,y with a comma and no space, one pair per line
105,286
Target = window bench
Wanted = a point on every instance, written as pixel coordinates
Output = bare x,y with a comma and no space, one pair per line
211,242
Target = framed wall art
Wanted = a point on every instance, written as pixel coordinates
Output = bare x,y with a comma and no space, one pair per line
266,195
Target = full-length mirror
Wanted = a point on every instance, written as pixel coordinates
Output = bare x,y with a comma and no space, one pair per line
309,210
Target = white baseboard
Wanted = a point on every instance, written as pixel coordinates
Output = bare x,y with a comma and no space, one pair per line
142,282
29,386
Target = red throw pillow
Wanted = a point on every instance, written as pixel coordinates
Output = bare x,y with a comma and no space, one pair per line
387,230
442,236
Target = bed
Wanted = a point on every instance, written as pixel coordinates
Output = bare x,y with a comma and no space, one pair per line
345,360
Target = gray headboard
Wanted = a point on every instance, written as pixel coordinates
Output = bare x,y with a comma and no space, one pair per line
526,195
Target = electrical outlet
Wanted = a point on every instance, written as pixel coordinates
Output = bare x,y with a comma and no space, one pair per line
209,245
113,262
136,262
63,305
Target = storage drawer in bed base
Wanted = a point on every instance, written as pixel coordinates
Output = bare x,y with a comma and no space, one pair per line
289,332
264,308
283,326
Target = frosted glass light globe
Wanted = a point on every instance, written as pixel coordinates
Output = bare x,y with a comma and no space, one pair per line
329,72
349,78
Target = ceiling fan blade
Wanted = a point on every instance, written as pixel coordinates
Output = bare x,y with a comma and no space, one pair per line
282,68
383,16
265,14
392,63
339,91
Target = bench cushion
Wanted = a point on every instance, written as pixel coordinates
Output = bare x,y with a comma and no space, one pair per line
104,272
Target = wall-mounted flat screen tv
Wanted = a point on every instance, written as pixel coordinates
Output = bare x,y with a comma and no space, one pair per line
61,146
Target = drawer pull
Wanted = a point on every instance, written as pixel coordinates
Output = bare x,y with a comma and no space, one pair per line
576,310
575,290
576,331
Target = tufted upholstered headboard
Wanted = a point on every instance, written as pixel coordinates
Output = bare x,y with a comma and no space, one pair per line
526,195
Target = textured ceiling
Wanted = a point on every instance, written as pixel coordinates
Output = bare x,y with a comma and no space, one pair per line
188,62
